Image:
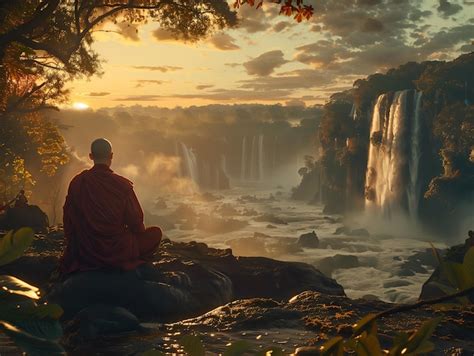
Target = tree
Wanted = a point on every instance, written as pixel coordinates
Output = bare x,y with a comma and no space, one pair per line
46,43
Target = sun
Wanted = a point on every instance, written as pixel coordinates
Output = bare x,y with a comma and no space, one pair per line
80,106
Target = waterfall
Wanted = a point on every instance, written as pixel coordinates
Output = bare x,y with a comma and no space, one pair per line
252,162
253,158
353,113
190,163
260,157
413,190
394,150
243,162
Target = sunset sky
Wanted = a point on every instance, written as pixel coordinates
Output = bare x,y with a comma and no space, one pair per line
271,58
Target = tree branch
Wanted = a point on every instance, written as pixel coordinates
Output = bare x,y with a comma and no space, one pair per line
42,12
421,303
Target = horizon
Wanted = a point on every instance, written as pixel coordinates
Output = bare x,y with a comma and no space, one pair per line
270,59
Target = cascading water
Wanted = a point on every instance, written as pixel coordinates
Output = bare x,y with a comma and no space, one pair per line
190,163
252,164
413,190
243,164
260,157
394,151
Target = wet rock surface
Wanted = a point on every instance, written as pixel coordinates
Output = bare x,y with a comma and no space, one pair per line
328,264
306,320
309,240
185,279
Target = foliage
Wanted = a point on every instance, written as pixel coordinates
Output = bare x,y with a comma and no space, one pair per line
14,244
457,276
32,326
295,8
32,147
45,44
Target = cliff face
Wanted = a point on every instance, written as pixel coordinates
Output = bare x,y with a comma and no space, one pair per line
402,142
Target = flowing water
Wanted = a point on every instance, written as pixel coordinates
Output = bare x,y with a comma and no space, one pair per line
394,154
380,255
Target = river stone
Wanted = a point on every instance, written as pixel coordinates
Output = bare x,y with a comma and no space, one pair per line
329,264
309,240
103,319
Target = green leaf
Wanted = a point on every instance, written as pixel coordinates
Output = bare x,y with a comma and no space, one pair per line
19,312
237,348
468,266
367,323
399,343
334,347
32,345
14,245
436,254
368,345
192,345
48,329
454,273
12,288
418,342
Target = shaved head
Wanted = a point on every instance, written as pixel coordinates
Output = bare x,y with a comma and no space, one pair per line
101,151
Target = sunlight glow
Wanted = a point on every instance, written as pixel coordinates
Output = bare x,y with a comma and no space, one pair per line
80,106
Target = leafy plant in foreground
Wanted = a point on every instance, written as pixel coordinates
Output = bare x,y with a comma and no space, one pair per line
32,326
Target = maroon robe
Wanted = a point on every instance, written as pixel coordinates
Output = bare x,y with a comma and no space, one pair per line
103,224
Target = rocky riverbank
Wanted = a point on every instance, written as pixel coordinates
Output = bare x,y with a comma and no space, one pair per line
192,288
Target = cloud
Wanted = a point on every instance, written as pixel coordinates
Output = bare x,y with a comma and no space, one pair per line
224,42
322,53
447,9
295,102
129,31
280,26
166,36
293,80
253,20
204,86
140,98
233,65
232,95
98,93
162,69
265,64
372,25
142,82
447,40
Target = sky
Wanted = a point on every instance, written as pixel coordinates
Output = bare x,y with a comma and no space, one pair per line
271,58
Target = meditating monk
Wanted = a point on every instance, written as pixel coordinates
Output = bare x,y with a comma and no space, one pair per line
103,220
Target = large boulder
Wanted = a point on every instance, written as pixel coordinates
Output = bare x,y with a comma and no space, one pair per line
184,280
309,240
24,216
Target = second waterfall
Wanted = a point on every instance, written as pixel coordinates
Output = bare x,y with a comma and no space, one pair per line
393,176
